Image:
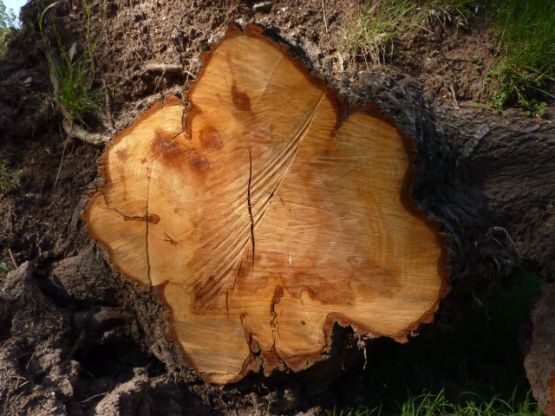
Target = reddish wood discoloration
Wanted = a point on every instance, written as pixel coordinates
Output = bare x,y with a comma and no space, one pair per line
241,100
196,161
122,155
152,218
210,138
167,149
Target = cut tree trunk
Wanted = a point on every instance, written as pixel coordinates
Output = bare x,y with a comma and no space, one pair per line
265,210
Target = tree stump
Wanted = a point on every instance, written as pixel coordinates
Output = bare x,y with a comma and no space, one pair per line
263,211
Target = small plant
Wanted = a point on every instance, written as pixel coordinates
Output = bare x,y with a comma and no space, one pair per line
4,268
526,54
72,70
9,178
7,21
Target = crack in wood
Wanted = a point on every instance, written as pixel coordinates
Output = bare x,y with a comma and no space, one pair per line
152,218
249,206
147,226
227,302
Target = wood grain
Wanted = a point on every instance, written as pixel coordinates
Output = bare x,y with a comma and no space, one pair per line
263,215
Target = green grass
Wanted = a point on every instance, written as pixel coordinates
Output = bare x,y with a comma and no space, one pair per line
9,177
72,69
373,33
439,405
432,405
524,66
473,367
525,63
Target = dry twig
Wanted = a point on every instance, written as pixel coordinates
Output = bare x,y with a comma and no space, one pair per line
12,258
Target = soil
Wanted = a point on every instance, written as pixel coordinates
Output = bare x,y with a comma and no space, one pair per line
77,339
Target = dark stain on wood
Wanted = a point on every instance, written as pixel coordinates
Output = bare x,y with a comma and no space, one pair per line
122,154
152,218
172,152
210,138
169,239
166,148
196,161
241,101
